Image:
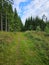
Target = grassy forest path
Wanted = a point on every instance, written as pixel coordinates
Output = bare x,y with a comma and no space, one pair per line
20,48
24,48
27,47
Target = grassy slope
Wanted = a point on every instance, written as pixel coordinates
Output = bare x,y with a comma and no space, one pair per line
28,48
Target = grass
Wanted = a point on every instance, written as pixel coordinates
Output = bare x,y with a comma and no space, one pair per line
24,48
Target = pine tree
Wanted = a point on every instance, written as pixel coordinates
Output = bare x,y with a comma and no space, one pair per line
9,20
33,23
17,22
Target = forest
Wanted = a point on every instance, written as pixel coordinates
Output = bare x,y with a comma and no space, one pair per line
8,18
11,21
22,44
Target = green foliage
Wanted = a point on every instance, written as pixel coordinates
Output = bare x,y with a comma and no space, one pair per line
33,23
42,25
38,28
47,29
17,24
14,21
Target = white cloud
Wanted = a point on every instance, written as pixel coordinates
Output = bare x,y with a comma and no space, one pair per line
16,4
34,8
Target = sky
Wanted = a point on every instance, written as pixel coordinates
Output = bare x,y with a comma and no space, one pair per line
28,8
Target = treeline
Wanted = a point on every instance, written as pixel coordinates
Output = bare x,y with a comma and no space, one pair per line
14,22
36,24
7,14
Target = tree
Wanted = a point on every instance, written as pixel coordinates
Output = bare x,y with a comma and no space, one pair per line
42,25
30,24
33,23
17,24
4,6
9,20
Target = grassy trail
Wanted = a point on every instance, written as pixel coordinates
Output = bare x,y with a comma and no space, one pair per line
20,48
29,48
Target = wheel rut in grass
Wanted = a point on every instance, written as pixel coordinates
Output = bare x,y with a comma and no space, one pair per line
22,49
19,57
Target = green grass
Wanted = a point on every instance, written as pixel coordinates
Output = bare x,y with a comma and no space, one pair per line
24,48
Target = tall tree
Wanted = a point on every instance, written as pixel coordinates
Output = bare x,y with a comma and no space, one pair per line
4,4
32,23
9,20
17,21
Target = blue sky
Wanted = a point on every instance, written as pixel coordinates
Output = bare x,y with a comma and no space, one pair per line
27,8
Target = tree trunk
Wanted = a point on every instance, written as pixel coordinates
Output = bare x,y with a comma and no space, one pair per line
6,21
1,23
